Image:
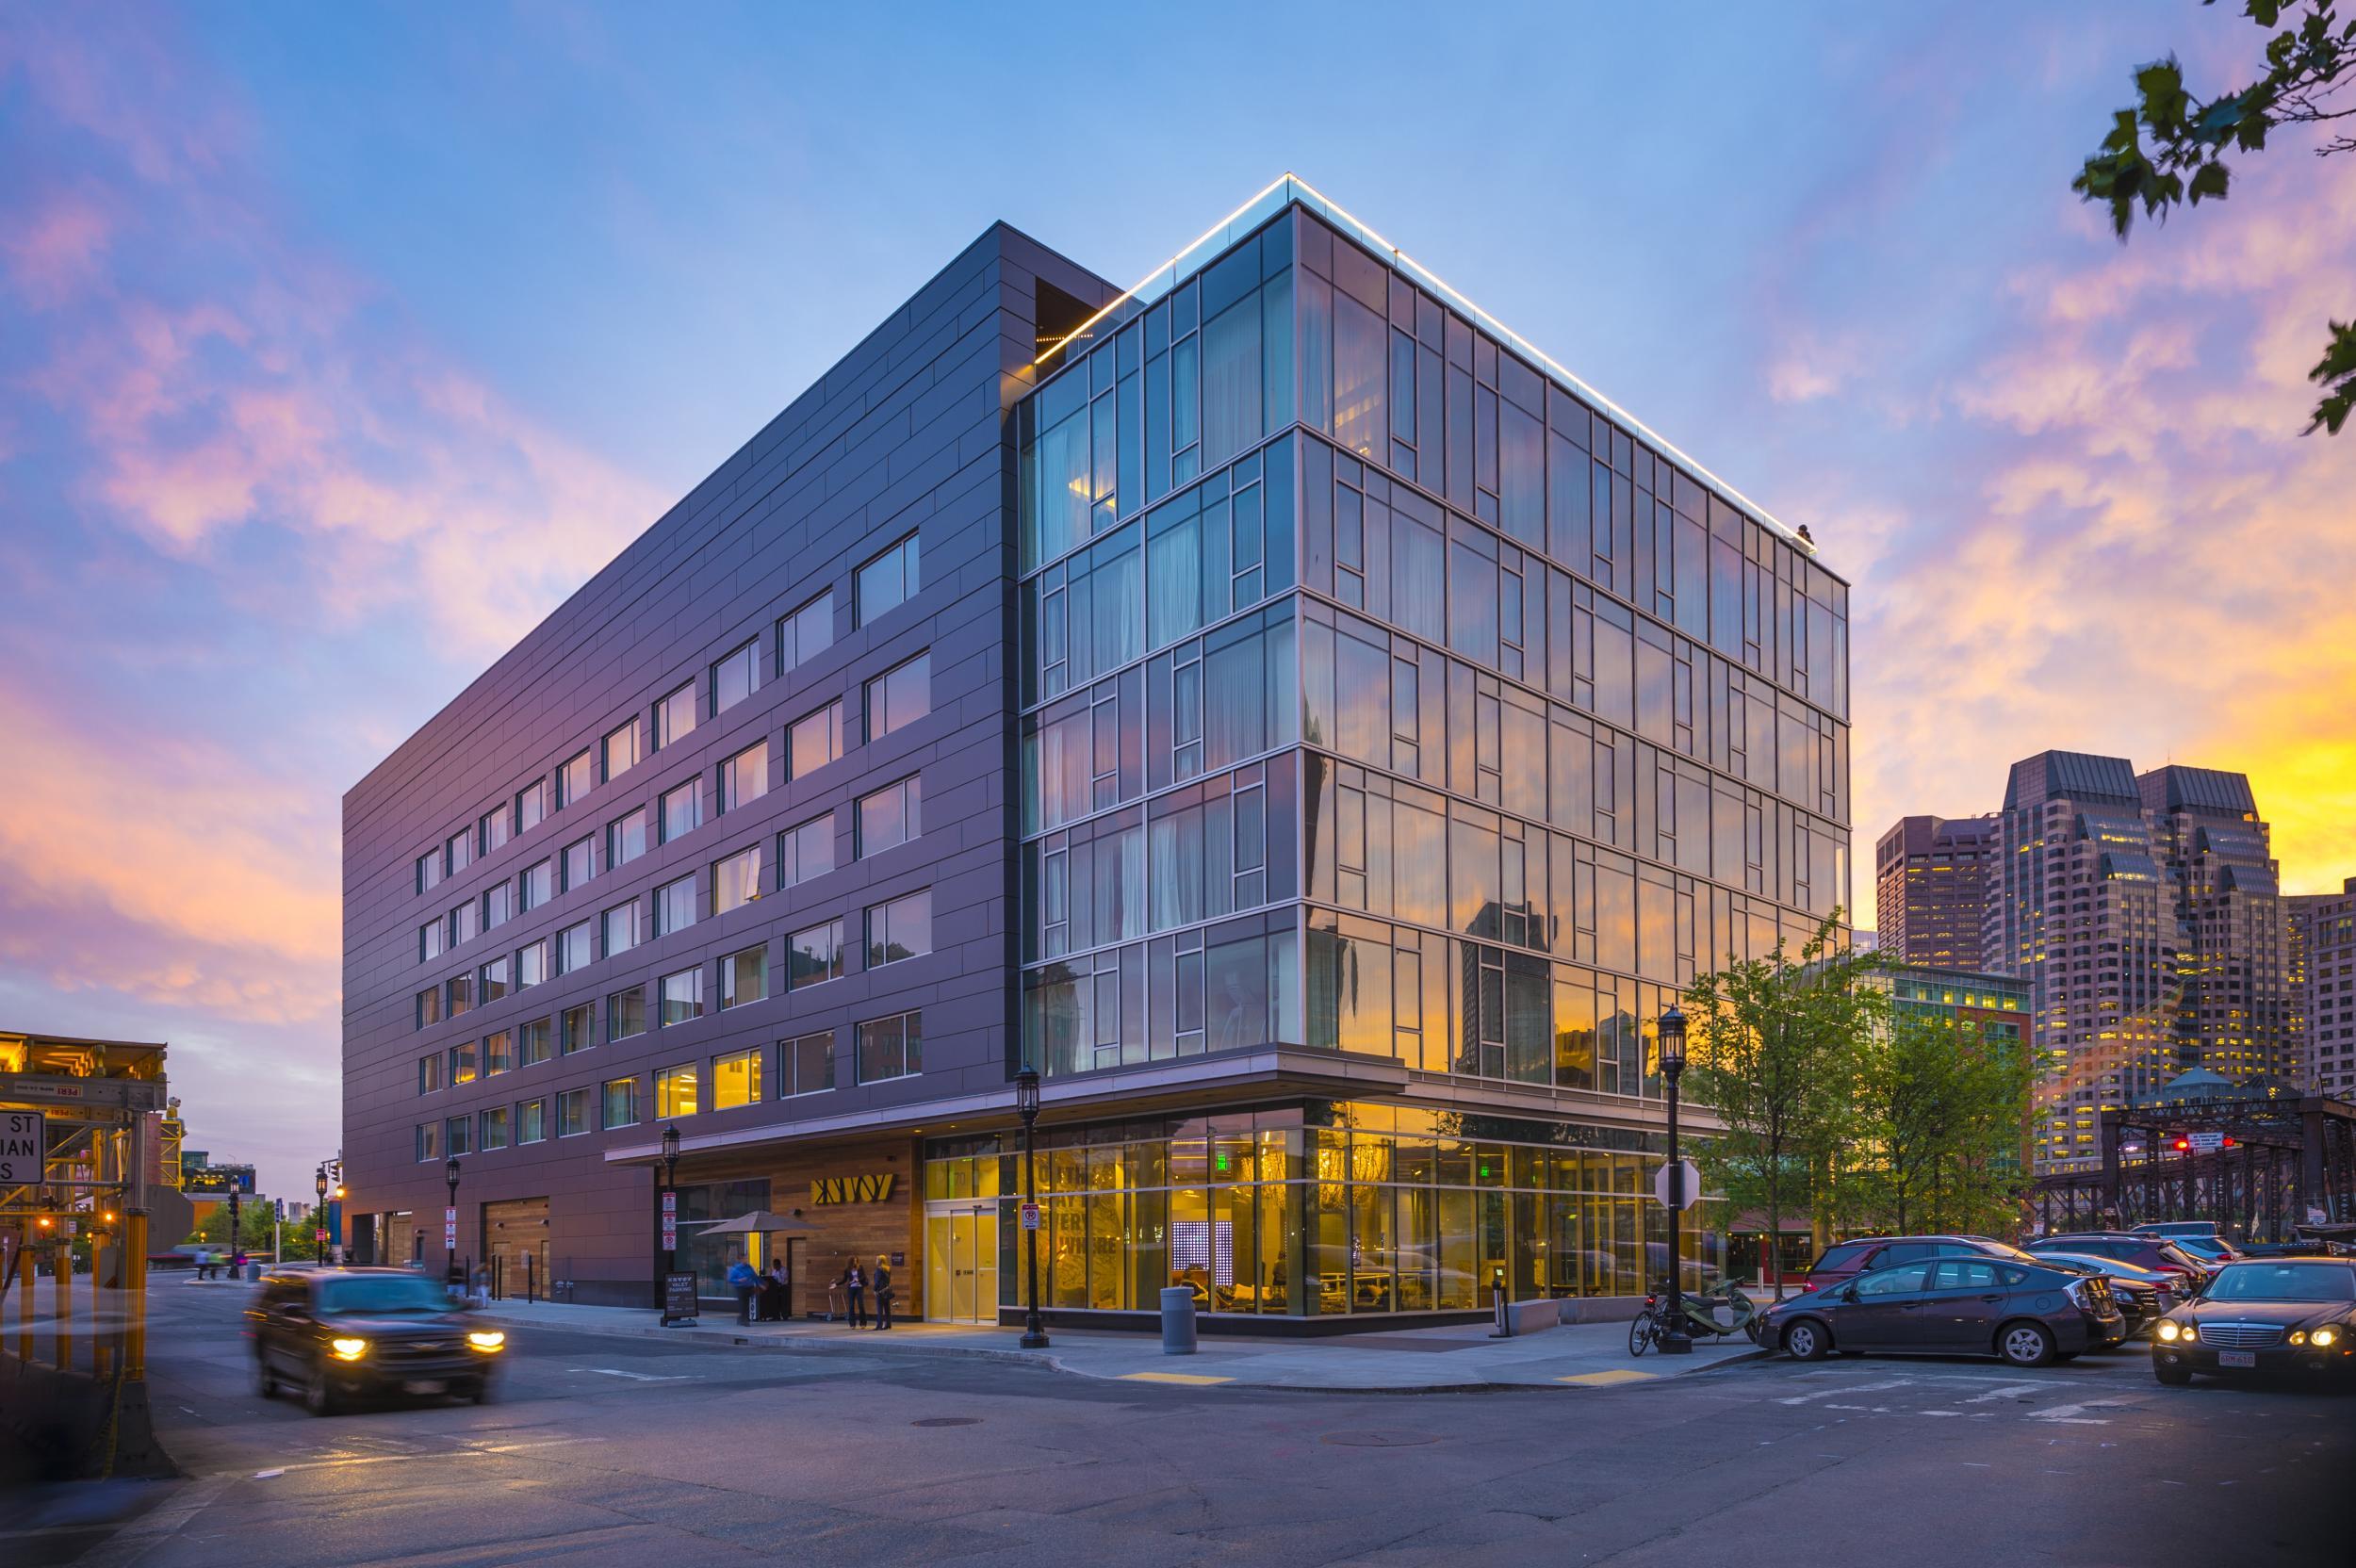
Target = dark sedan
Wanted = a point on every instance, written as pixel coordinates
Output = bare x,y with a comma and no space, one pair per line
338,1334
2027,1313
2126,1247
2268,1314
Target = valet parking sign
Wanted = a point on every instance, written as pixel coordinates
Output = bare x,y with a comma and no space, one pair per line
24,1147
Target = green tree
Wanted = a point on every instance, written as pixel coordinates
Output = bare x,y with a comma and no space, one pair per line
1776,1043
1942,1101
255,1231
2310,57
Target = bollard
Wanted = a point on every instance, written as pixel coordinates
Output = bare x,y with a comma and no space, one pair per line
1178,1321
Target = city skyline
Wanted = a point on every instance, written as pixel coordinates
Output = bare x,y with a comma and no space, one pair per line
435,409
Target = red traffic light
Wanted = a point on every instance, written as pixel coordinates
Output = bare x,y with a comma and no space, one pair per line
2181,1144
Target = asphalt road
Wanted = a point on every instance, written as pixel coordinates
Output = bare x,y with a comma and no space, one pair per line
642,1454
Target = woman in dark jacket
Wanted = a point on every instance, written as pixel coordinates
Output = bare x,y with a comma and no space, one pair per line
855,1286
883,1291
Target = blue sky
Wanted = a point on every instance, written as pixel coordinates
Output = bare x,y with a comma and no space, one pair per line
337,343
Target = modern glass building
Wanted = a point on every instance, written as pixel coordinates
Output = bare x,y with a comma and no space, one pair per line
1364,729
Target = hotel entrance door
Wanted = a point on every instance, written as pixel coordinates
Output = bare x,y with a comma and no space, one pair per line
961,1263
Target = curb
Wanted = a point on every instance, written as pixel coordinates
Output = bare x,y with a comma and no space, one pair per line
919,1351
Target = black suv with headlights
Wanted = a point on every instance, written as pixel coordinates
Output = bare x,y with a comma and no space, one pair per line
2262,1314
340,1334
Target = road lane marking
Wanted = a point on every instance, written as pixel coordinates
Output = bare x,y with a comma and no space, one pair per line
1607,1379
1848,1388
2002,1391
1192,1380
2064,1415
637,1376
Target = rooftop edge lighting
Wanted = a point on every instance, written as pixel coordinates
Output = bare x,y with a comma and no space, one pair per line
1166,276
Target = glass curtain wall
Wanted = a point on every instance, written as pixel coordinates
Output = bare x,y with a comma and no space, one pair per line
1330,1210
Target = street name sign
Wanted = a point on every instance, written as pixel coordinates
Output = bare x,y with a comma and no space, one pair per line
24,1147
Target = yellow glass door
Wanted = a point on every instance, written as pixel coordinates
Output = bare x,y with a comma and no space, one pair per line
961,1265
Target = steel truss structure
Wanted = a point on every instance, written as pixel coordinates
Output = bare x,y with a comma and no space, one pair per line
2258,1165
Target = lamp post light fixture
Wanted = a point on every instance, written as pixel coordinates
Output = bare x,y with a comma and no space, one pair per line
1675,1340
449,1261
1026,1103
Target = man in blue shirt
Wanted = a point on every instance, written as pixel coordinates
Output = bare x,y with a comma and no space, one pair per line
746,1283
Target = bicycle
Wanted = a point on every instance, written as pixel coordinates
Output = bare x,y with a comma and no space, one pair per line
1646,1328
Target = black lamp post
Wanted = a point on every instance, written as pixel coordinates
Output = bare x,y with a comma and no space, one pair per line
1026,1102
1675,1341
449,1264
319,1218
670,1185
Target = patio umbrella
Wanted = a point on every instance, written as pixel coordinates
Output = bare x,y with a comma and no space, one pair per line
761,1221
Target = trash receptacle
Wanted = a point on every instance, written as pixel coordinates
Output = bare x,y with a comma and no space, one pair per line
252,1273
1178,1321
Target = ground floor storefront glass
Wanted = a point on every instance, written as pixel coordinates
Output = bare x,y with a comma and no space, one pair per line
1320,1210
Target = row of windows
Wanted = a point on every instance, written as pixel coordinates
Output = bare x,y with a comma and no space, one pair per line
883,1049
882,584
896,928
898,697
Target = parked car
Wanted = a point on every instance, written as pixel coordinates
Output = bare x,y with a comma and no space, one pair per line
1962,1304
2142,1293
1845,1260
2126,1247
340,1334
2274,1314
2200,1237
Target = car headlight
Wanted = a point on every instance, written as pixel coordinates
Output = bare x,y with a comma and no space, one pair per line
348,1350
2298,1337
2324,1336
2171,1331
486,1339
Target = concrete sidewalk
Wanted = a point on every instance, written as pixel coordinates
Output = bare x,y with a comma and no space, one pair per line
1454,1359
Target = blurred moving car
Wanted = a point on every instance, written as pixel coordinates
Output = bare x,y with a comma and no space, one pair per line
2142,1293
2275,1314
2157,1252
2029,1314
341,1334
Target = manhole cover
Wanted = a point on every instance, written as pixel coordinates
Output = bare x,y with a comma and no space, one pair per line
1378,1440
948,1421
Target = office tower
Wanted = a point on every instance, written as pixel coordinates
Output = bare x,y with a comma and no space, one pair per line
1930,889
2323,927
2232,1003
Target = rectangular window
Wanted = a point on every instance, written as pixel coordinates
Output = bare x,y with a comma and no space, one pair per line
499,905
889,817
735,677
430,1073
626,1013
495,828
682,810
538,883
578,1027
532,964
575,779
683,995
625,839
806,851
429,871
429,1007
459,990
620,750
890,1048
429,1141
745,777
532,1043
617,1104
531,1121
899,695
581,863
889,581
498,1053
736,881
806,1065
531,805
462,1062
464,920
675,1091
674,906
900,928
674,717
457,1134
814,740
736,1080
572,1113
576,948
813,956
807,633
495,1127
459,849
432,937
621,928
745,976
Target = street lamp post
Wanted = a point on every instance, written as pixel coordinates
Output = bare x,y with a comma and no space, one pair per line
1026,1102
319,1218
1675,1340
665,1220
450,1237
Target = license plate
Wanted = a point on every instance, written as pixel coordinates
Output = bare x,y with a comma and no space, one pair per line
422,1385
2237,1358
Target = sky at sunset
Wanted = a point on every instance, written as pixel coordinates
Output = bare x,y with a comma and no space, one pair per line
334,350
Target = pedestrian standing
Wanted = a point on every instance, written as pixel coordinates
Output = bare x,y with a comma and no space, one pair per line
855,1286
883,1292
746,1283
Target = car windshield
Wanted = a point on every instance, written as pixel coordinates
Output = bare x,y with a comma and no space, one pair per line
381,1294
2286,1282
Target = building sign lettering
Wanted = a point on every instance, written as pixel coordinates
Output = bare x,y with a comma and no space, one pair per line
851,1189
